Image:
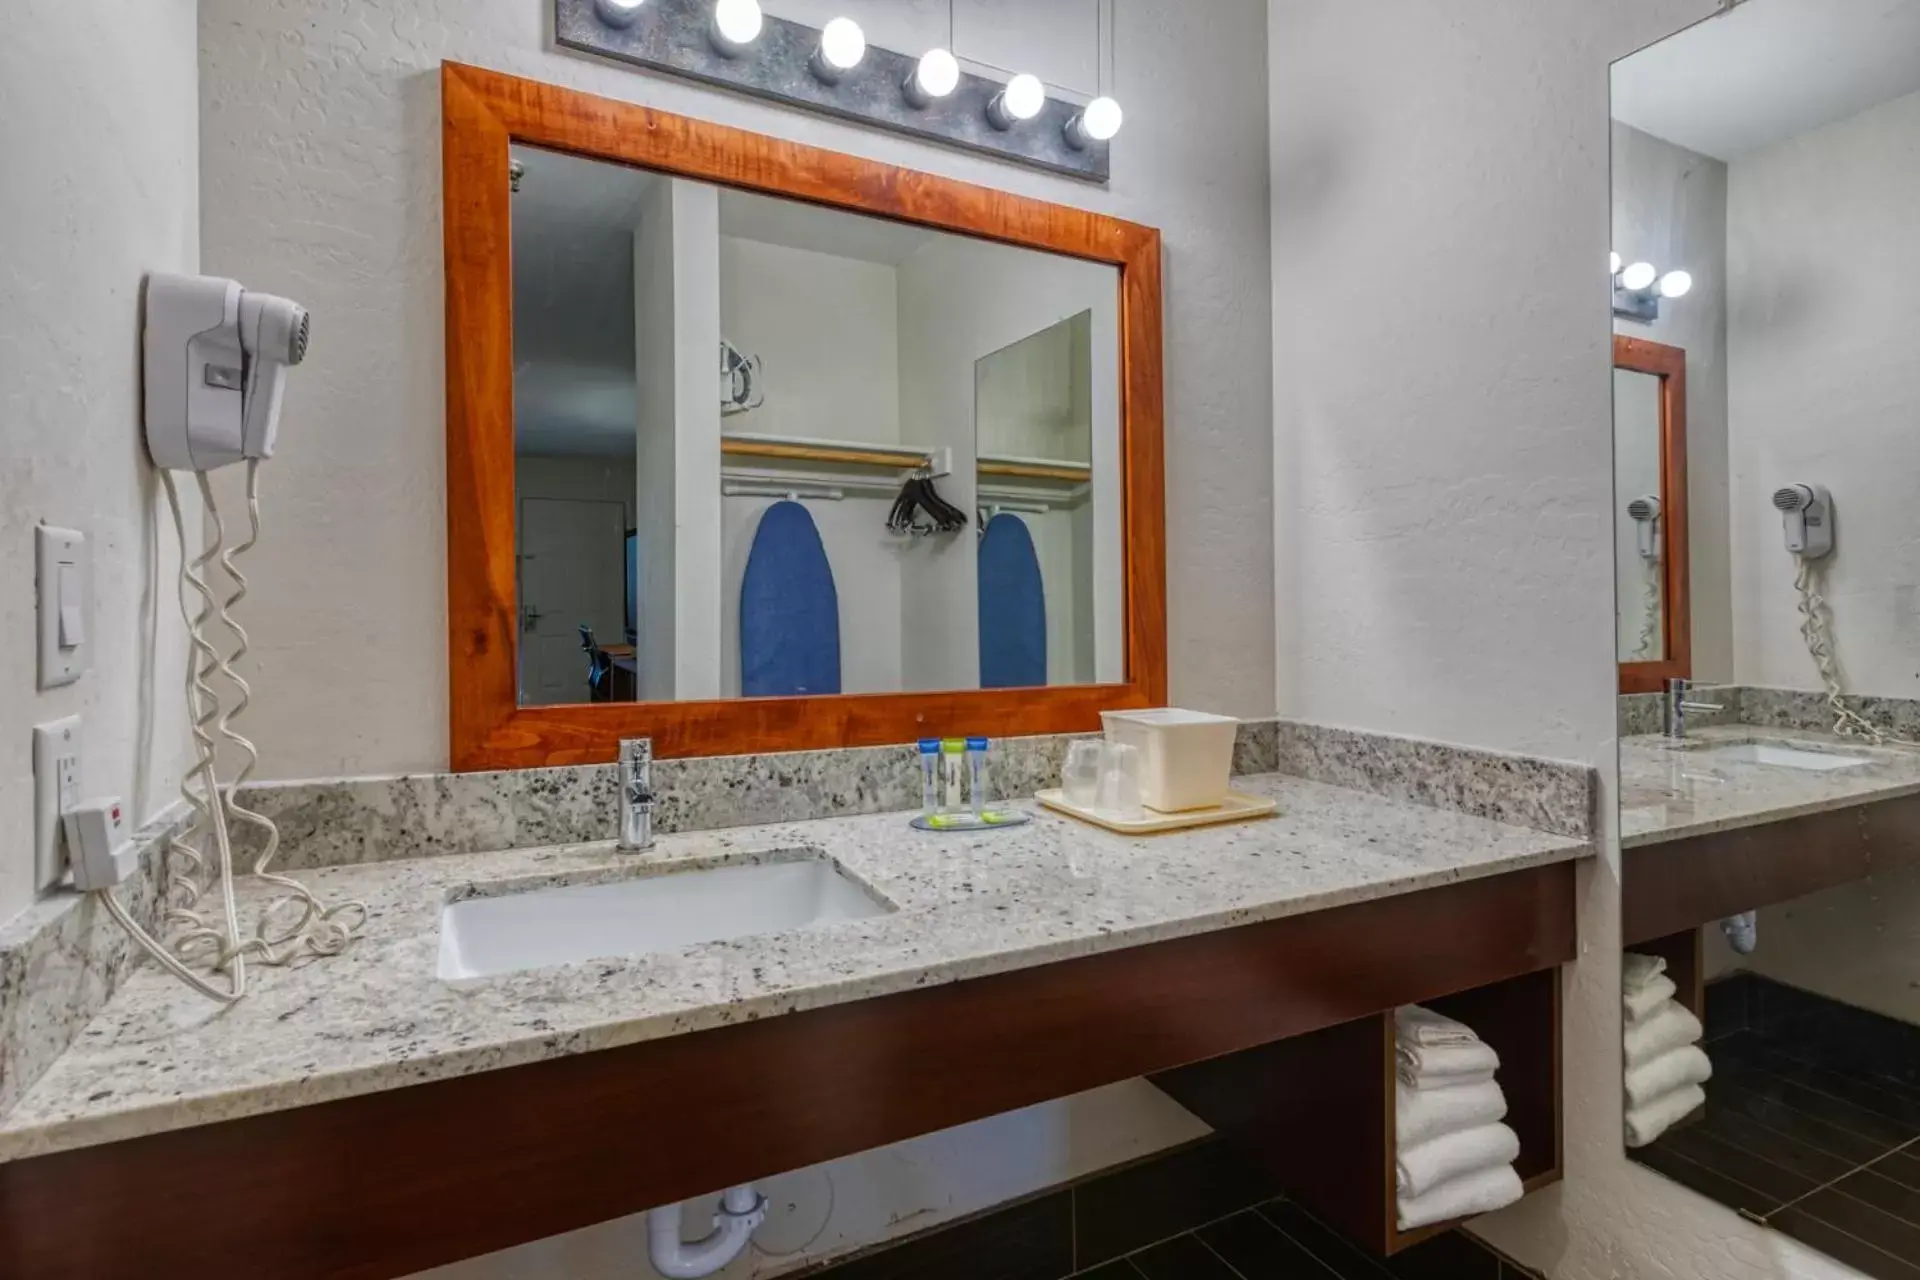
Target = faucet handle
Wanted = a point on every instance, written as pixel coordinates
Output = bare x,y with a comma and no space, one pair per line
636,751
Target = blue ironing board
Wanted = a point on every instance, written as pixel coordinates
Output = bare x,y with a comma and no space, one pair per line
789,610
1013,607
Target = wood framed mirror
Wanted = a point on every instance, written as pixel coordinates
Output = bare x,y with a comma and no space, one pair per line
684,315
1654,635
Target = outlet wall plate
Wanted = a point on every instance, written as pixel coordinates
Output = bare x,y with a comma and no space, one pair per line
56,787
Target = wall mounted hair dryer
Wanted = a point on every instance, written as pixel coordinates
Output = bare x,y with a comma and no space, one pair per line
1646,514
1807,512
216,360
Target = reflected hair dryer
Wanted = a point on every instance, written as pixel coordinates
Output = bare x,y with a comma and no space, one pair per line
1806,510
1646,514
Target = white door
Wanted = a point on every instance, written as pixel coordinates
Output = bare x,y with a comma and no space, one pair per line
572,571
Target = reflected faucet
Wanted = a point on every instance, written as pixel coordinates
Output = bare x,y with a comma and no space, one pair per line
636,795
1677,706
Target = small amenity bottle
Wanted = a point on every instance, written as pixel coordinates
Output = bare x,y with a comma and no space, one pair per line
953,774
929,777
977,775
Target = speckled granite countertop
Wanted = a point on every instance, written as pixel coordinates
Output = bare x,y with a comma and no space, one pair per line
1669,791
159,1057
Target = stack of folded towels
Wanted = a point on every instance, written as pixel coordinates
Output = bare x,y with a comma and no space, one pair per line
1452,1156
1665,1065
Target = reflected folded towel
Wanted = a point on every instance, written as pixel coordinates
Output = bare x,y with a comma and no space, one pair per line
1644,1003
1462,1197
1420,1169
1420,1114
1667,1028
1413,1024
1651,1081
1636,970
1429,1066
1644,1124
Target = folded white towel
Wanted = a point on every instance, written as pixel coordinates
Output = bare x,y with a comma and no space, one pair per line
1636,970
1418,1170
1420,1114
1425,1066
1651,1081
1413,1024
1462,1197
1644,1003
1669,1027
1644,1124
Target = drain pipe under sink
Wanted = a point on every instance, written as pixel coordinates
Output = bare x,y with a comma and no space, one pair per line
741,1211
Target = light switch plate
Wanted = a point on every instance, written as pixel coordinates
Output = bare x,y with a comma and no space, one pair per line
56,788
63,577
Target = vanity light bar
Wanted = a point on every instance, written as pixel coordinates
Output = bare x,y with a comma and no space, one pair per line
834,70
1638,288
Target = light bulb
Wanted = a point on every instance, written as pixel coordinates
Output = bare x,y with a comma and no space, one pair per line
1613,264
1675,284
935,76
842,45
618,13
1021,99
1098,121
736,24
1638,276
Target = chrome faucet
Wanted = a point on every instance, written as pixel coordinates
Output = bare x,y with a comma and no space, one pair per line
636,795
1678,705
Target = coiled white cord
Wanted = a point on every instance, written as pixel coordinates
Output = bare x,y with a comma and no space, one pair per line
1650,614
1816,628
314,929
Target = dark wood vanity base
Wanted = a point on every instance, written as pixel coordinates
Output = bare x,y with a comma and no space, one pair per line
389,1183
1676,885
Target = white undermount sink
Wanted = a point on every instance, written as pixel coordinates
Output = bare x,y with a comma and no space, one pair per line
1781,756
489,935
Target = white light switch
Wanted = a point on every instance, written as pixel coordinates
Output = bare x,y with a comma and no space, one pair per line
64,578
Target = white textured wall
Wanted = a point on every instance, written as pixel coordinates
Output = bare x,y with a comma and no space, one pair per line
1670,209
1440,206
98,131
322,180
826,327
1824,307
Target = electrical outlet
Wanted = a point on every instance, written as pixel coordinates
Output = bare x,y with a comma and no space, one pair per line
56,788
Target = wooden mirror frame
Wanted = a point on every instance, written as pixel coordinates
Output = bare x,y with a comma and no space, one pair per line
1669,364
483,113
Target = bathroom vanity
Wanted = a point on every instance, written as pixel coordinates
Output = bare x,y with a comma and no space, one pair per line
1738,816
474,1071
387,1119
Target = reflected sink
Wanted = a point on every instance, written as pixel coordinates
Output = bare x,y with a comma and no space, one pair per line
1780,756
489,935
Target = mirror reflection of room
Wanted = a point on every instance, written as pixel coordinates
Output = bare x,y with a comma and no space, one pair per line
1766,175
769,449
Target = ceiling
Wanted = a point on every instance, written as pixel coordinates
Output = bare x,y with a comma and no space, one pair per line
1769,69
573,222
574,383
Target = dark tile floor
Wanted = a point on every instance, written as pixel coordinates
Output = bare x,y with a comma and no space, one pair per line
1812,1125
1197,1213
1278,1241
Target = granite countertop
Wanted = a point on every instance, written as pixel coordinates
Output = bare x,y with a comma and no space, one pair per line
160,1057
1671,790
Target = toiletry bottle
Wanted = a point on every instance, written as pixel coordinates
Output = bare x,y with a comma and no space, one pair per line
952,774
929,777
977,775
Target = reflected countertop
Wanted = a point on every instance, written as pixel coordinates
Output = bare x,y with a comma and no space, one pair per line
160,1057
1671,790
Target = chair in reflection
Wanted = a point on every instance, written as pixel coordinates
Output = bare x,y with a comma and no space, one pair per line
599,667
